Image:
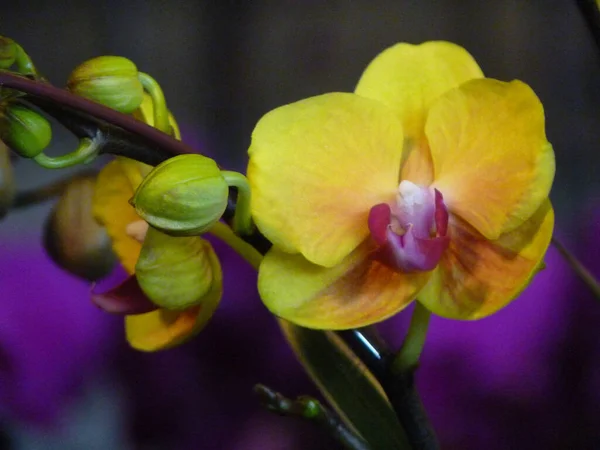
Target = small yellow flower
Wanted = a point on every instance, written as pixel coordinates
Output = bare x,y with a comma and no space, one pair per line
166,267
430,181
162,328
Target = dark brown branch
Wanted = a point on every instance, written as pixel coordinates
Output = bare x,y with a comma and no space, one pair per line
400,388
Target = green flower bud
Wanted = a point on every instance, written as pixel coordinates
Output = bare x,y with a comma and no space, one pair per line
25,131
183,196
73,238
8,52
109,80
178,272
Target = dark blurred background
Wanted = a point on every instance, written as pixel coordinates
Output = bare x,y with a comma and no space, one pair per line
222,65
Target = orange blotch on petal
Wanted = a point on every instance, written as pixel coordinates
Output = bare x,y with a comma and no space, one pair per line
358,292
161,329
490,155
477,277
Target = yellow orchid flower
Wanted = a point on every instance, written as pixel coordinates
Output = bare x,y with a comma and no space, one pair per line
130,235
429,180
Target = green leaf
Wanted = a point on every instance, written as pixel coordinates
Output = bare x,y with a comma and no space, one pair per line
348,386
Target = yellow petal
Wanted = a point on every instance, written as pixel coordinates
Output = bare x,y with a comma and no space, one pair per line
356,293
115,185
162,329
477,277
491,159
409,78
316,168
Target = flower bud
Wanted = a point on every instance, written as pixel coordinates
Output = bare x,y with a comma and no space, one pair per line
7,184
109,80
73,238
183,196
177,272
8,52
27,132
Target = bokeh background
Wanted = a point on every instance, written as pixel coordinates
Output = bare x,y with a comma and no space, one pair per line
528,377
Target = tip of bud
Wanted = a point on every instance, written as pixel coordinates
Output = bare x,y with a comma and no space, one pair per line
110,80
8,52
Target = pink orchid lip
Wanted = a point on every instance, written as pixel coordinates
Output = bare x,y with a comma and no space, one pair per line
123,296
411,237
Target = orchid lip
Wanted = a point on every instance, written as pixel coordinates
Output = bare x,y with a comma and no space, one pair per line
411,235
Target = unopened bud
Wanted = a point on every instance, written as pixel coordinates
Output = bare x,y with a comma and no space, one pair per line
177,272
183,196
109,80
73,238
8,52
27,132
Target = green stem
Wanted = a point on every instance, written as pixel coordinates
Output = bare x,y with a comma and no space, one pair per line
24,63
407,358
242,219
583,273
87,150
245,250
161,113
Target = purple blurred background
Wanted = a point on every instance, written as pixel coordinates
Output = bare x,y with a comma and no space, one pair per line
528,377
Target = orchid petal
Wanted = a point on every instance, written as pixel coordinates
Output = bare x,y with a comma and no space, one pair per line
316,168
358,292
490,155
125,298
477,277
115,185
409,78
162,329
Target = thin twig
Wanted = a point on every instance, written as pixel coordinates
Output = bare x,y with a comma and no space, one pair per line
47,192
581,271
311,409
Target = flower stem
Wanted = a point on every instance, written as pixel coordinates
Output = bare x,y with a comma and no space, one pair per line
244,249
242,219
581,271
407,358
24,63
161,113
86,151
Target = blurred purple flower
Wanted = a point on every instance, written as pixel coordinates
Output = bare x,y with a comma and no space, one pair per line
51,337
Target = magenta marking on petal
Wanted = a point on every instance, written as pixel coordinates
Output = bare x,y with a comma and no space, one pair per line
127,298
441,214
410,253
411,236
380,217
